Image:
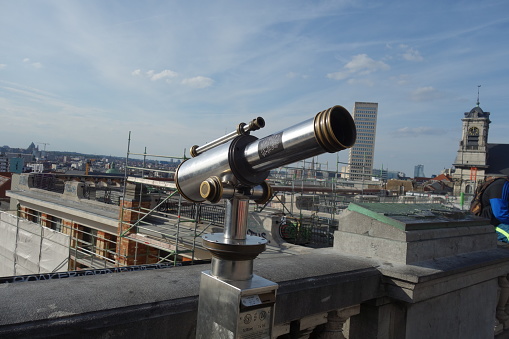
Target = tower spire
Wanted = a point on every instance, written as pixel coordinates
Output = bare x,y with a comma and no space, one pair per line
478,86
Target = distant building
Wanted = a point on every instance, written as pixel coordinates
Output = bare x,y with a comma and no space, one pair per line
37,168
360,158
385,175
16,165
5,185
419,171
476,158
4,164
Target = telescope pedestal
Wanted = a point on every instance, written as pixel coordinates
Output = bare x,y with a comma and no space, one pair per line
235,309
234,303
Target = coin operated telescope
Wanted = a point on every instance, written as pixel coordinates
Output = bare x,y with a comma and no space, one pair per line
234,303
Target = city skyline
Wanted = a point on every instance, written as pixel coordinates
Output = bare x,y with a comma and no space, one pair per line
80,75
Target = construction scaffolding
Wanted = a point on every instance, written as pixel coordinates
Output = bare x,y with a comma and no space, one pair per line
28,247
162,218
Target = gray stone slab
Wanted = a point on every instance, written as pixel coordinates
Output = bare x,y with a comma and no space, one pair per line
408,217
402,234
465,313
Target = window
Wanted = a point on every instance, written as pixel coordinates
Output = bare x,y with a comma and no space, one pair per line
56,224
36,217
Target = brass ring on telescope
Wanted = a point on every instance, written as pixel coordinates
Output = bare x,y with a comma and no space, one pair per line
211,189
333,123
192,151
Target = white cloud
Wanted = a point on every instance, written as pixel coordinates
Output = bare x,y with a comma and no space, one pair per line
363,64
152,75
198,82
425,94
163,74
412,55
3,66
195,82
360,64
33,64
338,75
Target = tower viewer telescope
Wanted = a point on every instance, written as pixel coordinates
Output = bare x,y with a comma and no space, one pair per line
234,167
240,162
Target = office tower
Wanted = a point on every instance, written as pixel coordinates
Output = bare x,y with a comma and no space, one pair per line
419,171
360,158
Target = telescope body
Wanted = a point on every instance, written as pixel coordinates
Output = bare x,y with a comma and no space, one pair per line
245,161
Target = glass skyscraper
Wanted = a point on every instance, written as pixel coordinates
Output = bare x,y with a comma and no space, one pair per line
419,171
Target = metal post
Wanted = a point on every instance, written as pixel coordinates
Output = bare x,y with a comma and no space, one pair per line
17,239
40,249
135,253
179,210
233,302
196,216
237,211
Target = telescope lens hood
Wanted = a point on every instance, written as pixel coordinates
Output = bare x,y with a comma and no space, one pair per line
335,129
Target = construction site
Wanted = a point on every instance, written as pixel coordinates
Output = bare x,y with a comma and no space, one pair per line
66,222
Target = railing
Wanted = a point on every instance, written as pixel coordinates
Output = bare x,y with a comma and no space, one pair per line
47,182
212,213
51,183
107,195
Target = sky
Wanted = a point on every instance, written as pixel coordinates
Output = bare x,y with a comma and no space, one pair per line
81,75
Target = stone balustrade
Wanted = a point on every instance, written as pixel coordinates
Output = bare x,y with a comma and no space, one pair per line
322,293
403,272
314,287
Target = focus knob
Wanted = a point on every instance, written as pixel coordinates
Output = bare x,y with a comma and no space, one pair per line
211,189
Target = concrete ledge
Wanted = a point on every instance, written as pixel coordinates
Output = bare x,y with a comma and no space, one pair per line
163,303
426,280
407,235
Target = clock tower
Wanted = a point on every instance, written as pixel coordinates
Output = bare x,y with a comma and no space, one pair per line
471,159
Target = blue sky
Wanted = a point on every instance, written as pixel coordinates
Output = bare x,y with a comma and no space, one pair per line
79,75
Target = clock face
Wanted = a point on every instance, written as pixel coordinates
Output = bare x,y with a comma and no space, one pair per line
473,131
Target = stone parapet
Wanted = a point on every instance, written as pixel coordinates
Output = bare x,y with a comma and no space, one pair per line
163,303
321,290
407,234
358,295
440,268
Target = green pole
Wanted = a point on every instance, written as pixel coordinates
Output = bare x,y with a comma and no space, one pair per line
462,199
